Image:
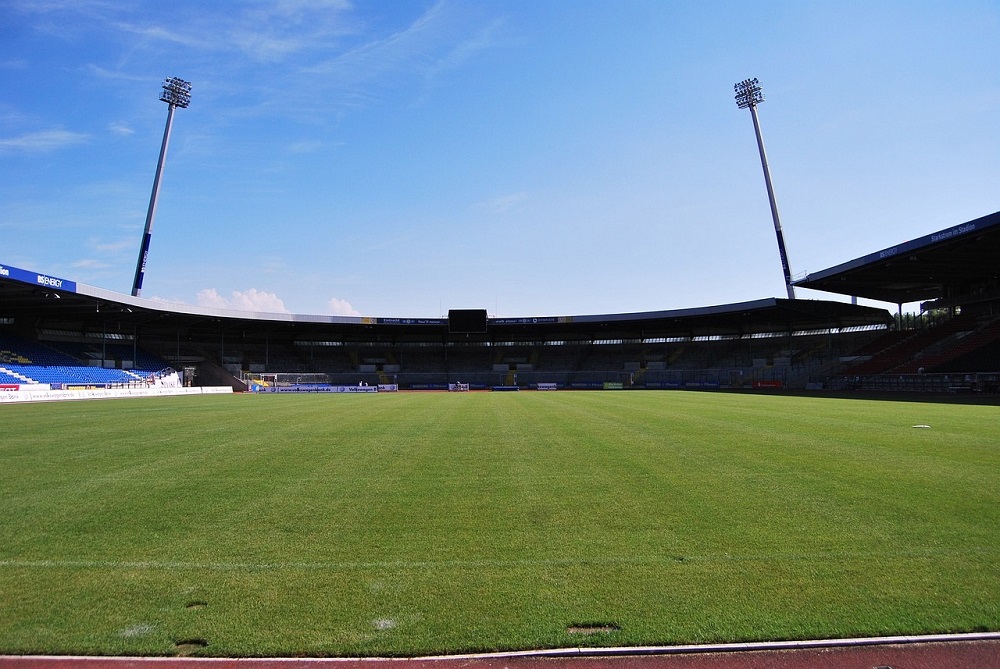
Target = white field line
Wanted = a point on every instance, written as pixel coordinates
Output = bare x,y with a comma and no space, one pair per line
728,647
679,561
552,653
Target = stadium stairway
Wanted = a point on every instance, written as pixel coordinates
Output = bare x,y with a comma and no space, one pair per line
11,376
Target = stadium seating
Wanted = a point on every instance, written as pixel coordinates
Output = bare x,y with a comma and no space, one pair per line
901,352
20,351
838,359
72,363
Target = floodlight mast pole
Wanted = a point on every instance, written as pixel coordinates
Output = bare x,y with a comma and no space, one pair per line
176,93
748,96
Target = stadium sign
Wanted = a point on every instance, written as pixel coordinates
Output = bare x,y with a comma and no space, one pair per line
315,388
8,272
530,321
957,230
410,321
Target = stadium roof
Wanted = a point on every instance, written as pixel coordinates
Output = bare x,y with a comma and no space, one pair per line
770,315
950,266
40,302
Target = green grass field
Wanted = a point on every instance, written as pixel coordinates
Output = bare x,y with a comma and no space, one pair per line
407,524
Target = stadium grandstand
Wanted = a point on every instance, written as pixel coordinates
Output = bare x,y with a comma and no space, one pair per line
70,335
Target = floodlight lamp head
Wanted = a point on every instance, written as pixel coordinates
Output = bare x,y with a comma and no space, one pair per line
176,92
748,93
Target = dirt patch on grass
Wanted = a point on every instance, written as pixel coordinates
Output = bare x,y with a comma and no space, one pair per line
189,646
593,628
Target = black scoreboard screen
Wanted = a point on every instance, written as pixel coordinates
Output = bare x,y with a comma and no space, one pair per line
467,321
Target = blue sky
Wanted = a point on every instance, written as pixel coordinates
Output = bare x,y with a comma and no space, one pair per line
537,157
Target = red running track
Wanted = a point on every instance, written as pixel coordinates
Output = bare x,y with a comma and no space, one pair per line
962,653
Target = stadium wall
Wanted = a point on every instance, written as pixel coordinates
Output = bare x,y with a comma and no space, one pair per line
18,396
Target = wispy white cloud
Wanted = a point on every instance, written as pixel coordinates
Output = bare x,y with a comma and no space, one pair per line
12,116
43,141
408,61
273,31
264,32
273,264
242,300
338,307
501,204
89,263
116,75
160,34
305,146
463,51
121,128
51,6
116,247
404,48
313,59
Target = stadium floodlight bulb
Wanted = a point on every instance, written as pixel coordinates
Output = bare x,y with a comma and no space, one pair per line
176,92
748,93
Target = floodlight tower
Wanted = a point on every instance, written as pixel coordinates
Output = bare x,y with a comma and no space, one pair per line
176,93
749,95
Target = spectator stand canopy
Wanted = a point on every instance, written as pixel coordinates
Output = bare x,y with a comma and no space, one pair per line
37,302
957,266
954,267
